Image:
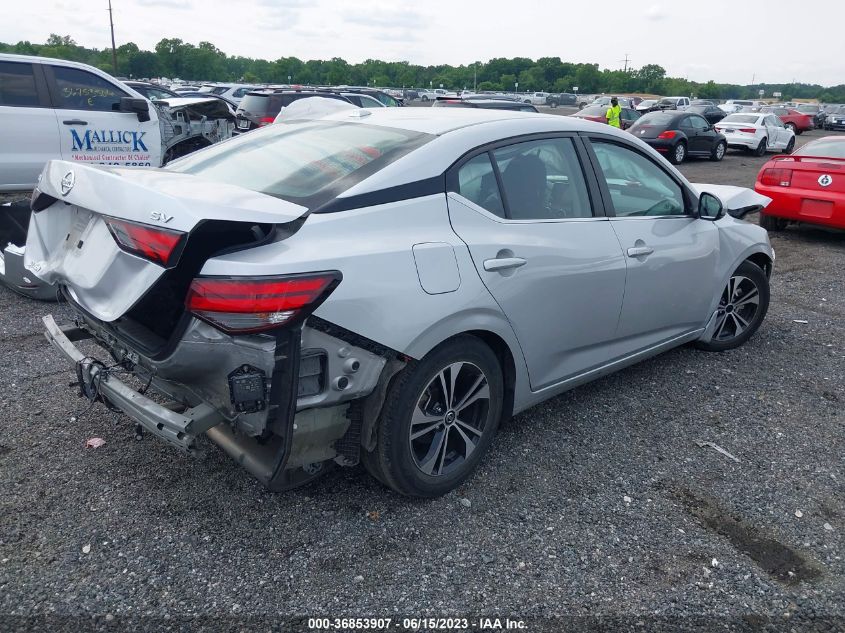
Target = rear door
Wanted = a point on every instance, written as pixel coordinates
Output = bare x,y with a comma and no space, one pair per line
540,243
670,255
28,128
90,127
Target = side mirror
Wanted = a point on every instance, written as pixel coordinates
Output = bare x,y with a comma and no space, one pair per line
141,107
710,207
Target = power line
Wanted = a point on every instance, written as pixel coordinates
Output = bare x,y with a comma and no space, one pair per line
113,51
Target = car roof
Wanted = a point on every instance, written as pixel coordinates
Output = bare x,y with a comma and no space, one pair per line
439,121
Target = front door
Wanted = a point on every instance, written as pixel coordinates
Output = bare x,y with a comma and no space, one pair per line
670,254
91,128
27,126
555,268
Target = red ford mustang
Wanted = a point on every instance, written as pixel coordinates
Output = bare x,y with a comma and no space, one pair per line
807,186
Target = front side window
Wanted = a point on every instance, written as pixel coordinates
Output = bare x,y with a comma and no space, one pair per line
81,90
543,180
699,123
638,187
17,85
307,162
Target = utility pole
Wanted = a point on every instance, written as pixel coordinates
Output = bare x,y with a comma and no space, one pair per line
626,60
113,50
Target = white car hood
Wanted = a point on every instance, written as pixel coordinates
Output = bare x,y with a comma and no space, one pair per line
732,197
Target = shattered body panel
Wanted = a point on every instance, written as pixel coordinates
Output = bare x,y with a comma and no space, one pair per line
195,121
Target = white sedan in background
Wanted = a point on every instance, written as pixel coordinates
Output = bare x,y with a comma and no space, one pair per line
756,133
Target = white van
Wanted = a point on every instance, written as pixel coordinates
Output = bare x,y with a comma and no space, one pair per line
51,108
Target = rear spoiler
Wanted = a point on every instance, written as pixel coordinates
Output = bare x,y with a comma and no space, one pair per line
798,159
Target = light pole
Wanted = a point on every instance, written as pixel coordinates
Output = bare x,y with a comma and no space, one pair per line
288,81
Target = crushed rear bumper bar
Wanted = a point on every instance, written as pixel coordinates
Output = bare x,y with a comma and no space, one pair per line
178,429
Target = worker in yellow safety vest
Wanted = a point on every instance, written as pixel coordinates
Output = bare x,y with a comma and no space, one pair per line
614,113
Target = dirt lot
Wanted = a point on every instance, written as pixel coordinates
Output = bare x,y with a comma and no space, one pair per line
596,510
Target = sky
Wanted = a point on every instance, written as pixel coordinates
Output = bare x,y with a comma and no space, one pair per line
729,41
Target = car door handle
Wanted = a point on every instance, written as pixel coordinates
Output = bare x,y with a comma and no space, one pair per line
640,251
503,263
75,122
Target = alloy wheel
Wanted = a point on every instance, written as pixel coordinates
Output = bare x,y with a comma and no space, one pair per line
680,153
720,151
449,419
737,308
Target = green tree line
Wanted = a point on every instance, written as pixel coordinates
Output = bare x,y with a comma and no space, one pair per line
174,58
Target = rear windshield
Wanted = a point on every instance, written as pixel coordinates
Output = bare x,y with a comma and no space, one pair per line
808,109
833,148
270,104
656,118
593,111
740,118
308,163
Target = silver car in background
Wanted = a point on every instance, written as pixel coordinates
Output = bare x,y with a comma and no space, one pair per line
386,285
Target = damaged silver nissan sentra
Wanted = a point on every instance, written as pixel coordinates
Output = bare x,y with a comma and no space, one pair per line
386,286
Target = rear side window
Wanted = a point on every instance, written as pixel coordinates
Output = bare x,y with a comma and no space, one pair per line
542,180
308,163
638,187
477,182
17,85
81,90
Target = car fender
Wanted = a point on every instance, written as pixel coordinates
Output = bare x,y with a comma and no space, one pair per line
738,241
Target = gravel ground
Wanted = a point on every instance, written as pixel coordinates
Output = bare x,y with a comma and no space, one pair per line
597,508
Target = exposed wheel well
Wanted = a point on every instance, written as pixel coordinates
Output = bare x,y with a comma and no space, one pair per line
503,353
762,260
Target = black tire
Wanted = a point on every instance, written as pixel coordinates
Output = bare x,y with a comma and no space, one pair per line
678,154
719,151
771,223
790,146
738,298
415,392
762,147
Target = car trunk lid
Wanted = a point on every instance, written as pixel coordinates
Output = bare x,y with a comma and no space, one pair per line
824,175
72,243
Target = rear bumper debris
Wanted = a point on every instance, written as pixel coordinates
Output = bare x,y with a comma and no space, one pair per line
178,429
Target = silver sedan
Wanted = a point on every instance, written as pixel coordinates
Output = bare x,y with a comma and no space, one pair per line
385,286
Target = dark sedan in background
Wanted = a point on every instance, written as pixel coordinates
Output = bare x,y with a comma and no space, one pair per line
598,113
679,135
712,113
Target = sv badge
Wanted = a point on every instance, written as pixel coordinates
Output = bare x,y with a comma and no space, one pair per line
160,216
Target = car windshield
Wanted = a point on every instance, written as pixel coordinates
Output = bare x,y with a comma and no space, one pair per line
305,162
829,147
668,102
740,118
808,109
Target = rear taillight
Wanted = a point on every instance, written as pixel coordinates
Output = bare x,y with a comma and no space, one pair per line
161,246
668,134
255,304
748,130
776,177
265,120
